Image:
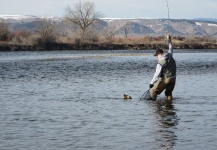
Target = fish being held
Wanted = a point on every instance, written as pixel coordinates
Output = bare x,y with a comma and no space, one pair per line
127,96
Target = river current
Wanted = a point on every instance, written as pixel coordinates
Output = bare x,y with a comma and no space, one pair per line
74,100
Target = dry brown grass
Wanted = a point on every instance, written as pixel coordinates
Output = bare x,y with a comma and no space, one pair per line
26,38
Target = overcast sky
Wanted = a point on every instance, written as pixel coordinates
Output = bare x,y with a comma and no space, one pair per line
179,9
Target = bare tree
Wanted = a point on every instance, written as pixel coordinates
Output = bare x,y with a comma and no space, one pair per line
47,31
127,29
4,30
83,15
110,32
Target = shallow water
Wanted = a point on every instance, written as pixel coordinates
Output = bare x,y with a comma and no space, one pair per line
74,100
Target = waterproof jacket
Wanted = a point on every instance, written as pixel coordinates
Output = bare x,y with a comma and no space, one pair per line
166,67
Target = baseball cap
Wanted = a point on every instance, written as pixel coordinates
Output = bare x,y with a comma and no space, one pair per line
158,51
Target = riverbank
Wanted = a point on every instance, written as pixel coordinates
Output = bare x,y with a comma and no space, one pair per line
103,46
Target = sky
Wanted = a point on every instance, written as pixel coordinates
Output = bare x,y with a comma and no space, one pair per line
178,9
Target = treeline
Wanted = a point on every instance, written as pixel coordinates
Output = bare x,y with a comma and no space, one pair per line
80,30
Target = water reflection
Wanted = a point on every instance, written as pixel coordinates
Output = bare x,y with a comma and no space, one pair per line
166,113
167,120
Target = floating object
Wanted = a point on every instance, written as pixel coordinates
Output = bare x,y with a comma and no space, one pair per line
127,96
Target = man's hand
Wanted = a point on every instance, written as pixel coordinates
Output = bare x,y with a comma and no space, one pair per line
151,86
168,37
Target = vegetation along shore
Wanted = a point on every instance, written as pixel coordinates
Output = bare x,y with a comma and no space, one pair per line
93,32
115,44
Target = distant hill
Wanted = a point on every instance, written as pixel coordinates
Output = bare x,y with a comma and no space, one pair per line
156,27
135,27
207,19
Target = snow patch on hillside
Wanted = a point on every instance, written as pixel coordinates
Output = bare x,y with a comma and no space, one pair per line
198,24
24,17
213,25
17,17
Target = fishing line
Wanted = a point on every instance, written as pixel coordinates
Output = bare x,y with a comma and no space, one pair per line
168,9
168,15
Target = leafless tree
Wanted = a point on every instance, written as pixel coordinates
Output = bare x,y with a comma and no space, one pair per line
127,29
82,15
110,32
4,30
47,30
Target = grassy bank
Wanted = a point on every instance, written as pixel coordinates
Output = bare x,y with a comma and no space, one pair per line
115,44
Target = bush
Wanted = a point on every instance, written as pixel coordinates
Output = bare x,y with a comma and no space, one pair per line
4,30
21,36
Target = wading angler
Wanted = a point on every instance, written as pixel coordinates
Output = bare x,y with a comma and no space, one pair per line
165,74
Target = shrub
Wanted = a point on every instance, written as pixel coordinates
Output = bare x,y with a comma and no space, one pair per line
4,30
21,36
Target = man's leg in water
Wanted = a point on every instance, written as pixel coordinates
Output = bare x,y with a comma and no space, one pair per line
159,86
170,86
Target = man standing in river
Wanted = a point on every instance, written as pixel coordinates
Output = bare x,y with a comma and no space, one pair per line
165,74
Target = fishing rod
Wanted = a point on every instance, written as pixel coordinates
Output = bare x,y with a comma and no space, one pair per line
147,94
168,16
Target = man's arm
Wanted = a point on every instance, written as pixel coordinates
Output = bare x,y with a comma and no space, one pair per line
157,74
169,41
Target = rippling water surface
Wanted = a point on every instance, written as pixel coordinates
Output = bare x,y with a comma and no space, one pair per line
74,100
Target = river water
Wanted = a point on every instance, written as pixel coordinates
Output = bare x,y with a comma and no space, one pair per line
74,100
